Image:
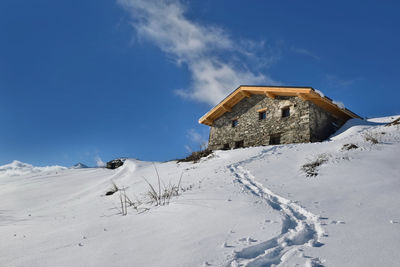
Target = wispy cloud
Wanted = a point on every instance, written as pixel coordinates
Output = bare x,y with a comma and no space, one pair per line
217,62
337,82
188,148
304,52
99,162
196,138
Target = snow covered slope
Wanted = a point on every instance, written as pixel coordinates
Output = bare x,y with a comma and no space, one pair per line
17,168
245,207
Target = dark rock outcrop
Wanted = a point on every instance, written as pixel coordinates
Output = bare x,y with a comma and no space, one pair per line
79,166
115,163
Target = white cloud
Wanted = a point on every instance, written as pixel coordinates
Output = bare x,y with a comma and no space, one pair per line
99,162
196,138
216,62
188,149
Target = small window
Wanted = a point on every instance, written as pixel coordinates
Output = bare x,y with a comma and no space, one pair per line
226,146
275,139
285,112
262,115
239,144
234,123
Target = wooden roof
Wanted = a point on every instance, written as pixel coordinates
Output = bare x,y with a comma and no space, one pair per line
304,93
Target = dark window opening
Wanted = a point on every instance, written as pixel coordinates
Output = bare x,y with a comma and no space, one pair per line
275,139
262,115
281,97
239,144
234,123
226,147
285,112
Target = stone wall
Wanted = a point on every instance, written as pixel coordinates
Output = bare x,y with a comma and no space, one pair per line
255,132
322,123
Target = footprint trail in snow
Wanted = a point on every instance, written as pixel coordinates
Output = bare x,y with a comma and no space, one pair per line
299,227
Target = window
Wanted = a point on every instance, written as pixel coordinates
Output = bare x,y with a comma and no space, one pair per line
275,139
239,144
262,115
226,146
234,123
285,112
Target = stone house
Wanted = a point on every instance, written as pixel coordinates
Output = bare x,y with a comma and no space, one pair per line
269,115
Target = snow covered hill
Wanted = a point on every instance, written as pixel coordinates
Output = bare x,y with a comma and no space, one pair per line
17,168
334,203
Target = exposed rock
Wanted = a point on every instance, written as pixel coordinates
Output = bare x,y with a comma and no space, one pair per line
196,156
79,166
115,163
311,168
109,193
395,122
349,146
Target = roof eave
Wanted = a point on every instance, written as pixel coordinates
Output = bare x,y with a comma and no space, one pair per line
305,93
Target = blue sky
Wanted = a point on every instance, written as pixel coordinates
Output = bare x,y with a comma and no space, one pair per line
87,80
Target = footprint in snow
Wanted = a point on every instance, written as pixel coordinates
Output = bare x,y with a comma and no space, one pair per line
314,262
337,222
248,240
225,245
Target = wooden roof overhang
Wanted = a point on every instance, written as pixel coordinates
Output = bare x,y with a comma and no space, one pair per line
304,93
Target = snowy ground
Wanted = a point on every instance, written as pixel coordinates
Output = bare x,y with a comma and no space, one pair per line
246,207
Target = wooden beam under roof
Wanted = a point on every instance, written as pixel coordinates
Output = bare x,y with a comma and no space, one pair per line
245,93
208,122
270,95
226,108
303,96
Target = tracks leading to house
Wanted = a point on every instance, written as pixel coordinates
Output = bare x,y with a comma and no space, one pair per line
299,226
